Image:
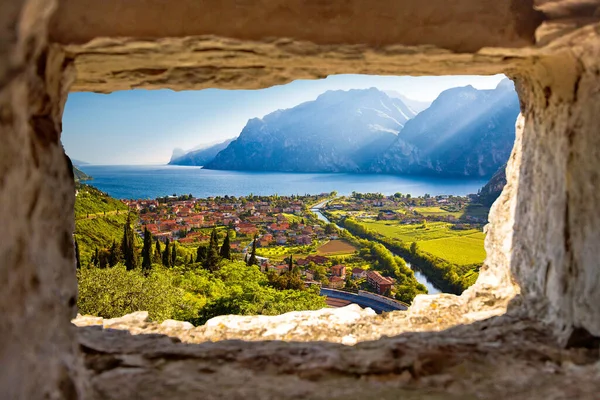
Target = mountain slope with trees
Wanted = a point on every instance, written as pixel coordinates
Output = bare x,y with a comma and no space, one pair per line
120,272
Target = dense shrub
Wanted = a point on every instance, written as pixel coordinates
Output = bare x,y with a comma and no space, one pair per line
188,293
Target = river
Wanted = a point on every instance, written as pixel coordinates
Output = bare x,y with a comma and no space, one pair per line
421,278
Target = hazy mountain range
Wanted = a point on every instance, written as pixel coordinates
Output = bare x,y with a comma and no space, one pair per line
415,105
465,132
198,156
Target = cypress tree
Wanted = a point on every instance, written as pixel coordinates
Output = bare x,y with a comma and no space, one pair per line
128,246
290,264
166,256
201,253
212,257
77,258
113,256
253,260
95,258
147,251
173,255
226,248
157,253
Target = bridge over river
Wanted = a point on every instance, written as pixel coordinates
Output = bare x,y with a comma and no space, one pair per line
379,304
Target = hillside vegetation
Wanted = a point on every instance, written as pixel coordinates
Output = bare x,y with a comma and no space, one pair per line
451,262
119,272
90,201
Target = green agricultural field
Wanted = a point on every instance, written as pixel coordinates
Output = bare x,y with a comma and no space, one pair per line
436,211
459,250
281,252
336,247
293,218
457,246
416,232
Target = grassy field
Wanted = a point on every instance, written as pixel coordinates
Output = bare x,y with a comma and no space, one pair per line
457,246
336,247
436,211
281,252
293,218
92,201
472,210
459,250
416,232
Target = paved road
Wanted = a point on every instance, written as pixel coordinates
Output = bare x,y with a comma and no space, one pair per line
364,302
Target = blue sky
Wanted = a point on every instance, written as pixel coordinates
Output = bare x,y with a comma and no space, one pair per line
144,126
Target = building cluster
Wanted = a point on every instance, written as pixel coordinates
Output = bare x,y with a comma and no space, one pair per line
337,274
182,220
273,223
404,208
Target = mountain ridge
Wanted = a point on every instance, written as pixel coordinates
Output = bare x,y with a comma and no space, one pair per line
200,156
466,132
293,140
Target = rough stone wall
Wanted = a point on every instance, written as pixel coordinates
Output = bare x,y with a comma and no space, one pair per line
473,24
557,220
543,235
37,270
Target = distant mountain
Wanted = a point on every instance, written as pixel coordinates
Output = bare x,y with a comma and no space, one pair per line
178,153
491,191
200,156
79,175
78,163
416,105
340,131
464,133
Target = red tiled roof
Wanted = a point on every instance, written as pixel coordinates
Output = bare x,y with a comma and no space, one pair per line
382,280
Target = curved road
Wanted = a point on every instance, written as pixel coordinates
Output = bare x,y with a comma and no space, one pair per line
364,302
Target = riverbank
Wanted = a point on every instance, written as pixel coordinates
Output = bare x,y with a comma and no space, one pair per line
432,288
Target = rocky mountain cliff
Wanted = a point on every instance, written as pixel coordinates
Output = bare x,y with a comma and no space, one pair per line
341,131
491,191
200,156
465,132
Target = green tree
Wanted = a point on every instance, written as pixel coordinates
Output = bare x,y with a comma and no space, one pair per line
114,292
173,255
225,251
414,247
211,262
166,254
290,264
330,228
147,251
253,260
95,258
114,254
201,253
128,245
77,256
157,259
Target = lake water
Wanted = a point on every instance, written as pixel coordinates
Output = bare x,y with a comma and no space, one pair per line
149,182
